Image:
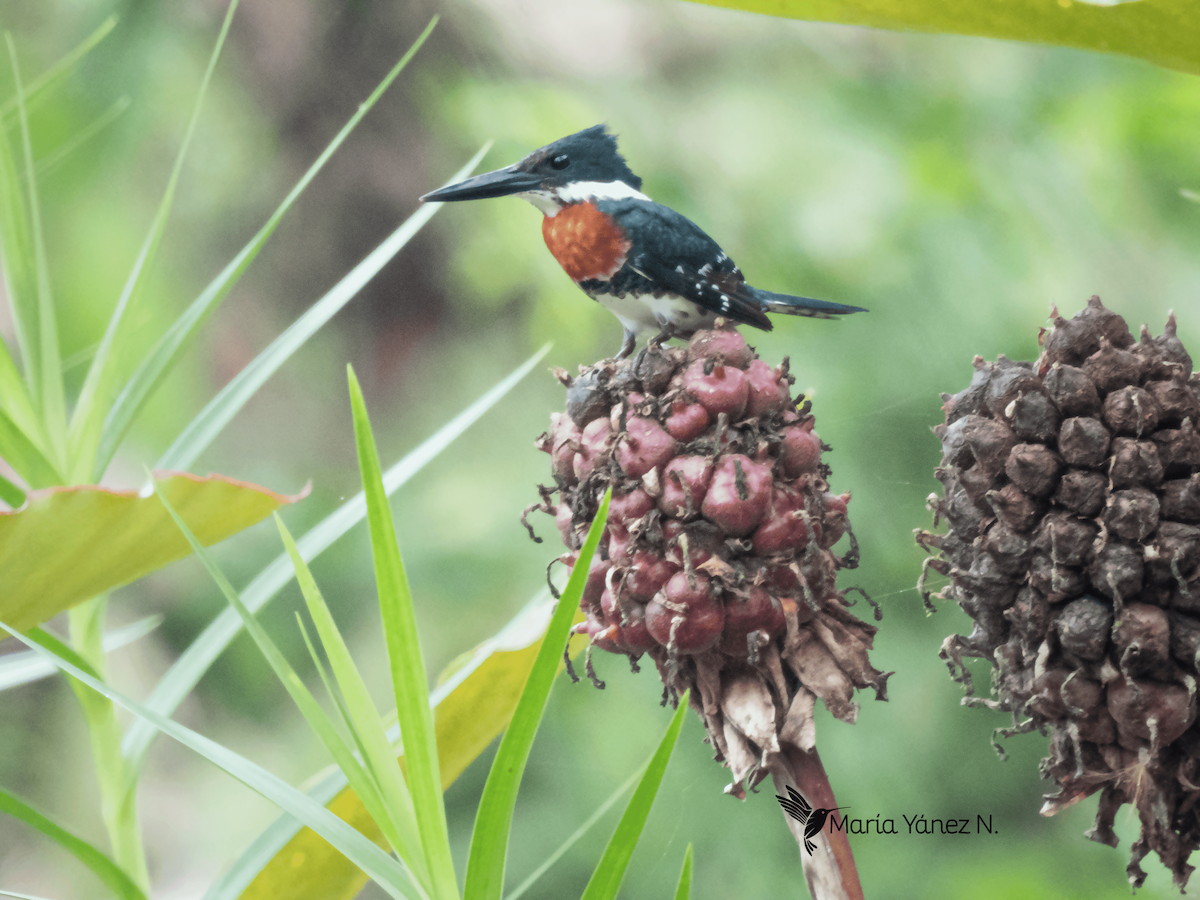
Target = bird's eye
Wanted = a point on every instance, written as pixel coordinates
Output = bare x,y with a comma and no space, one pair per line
561,162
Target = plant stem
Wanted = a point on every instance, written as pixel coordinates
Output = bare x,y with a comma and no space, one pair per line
118,806
829,871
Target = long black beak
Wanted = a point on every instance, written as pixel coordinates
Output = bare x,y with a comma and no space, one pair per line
500,183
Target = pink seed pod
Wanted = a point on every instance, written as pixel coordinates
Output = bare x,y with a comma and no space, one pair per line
684,485
758,611
594,586
593,445
835,519
801,450
719,388
726,346
687,421
562,519
646,576
645,446
784,527
564,437
701,545
687,618
737,497
619,545
766,394
626,508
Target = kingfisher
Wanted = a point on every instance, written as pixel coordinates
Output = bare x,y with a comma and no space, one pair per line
651,267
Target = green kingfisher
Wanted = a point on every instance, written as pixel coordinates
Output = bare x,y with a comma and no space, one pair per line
651,267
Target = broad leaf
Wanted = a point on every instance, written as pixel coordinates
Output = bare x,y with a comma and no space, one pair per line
104,868
69,544
1164,32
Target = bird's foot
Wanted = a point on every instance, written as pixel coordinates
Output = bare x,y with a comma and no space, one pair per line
627,344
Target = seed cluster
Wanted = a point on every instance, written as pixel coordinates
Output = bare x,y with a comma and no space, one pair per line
1072,495
717,559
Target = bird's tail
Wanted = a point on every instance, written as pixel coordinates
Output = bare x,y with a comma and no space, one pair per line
802,306
809,845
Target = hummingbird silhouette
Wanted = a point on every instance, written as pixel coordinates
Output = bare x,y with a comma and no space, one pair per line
799,809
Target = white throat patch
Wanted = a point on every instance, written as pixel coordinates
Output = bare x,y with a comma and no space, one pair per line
551,201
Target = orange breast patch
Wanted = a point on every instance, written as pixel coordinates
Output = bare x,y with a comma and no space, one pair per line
586,242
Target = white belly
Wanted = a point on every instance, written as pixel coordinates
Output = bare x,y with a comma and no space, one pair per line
641,313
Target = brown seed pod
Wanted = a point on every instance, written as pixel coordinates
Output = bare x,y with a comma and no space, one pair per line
1082,575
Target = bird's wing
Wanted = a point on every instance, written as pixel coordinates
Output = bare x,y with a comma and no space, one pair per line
675,254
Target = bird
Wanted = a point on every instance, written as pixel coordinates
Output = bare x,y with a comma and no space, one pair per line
650,266
799,809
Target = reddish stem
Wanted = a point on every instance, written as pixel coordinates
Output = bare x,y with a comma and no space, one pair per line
829,870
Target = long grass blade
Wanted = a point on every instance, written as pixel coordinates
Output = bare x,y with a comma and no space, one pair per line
26,458
406,661
102,867
88,420
49,163
378,756
26,666
47,372
10,493
606,880
493,820
179,336
196,659
575,838
683,891
41,85
316,717
19,269
216,415
387,872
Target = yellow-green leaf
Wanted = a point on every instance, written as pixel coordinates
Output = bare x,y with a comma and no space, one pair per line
67,544
1164,32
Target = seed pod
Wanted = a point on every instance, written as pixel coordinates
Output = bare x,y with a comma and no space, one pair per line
717,559
1083,442
1098,520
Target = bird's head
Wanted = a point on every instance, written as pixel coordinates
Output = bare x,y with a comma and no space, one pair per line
580,166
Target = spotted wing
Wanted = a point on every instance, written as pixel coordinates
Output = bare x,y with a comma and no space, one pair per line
673,255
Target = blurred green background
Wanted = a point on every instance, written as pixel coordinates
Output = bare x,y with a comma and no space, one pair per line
956,187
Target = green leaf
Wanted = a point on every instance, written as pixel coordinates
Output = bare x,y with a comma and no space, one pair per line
684,890
1164,32
41,85
195,660
399,822
103,867
387,872
90,409
493,820
574,838
606,880
163,356
69,544
406,661
45,366
472,704
26,458
321,724
27,666
10,493
223,407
